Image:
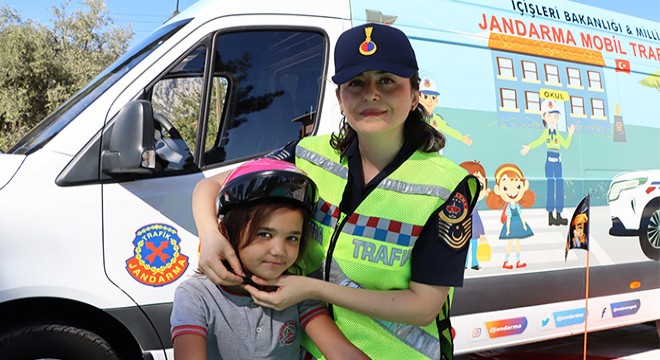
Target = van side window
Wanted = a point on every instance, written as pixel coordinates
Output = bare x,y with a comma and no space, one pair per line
265,92
176,101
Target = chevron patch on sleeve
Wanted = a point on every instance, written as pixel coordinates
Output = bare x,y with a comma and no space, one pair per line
455,220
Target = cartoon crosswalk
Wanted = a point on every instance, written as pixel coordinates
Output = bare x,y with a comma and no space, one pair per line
544,250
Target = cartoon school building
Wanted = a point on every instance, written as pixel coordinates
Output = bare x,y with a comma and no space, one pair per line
528,71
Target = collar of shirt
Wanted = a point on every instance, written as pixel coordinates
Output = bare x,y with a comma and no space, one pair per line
355,190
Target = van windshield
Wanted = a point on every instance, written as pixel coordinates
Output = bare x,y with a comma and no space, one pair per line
62,116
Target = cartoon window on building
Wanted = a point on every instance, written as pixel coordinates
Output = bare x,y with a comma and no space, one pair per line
530,72
505,68
509,99
577,106
595,82
574,77
532,101
598,108
552,74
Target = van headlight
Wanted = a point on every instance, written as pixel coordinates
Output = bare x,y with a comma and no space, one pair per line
617,187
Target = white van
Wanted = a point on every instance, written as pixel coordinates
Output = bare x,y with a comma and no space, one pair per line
95,202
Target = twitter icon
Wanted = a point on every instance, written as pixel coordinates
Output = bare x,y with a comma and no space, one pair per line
545,324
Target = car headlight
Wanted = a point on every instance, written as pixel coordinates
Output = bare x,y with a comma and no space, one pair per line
617,187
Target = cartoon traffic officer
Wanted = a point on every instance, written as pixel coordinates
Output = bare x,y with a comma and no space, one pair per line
550,112
429,98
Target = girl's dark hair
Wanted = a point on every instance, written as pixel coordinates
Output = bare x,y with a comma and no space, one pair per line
417,131
241,223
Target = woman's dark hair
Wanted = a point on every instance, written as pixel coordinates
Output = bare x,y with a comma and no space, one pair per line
241,223
417,131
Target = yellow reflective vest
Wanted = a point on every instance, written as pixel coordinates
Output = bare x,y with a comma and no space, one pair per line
371,248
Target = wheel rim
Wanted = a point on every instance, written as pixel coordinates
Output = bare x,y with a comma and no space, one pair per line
653,230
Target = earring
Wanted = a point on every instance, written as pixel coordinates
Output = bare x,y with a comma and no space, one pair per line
342,124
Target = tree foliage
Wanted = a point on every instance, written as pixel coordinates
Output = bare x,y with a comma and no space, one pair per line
41,67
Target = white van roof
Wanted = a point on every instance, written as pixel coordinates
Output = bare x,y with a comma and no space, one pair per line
204,10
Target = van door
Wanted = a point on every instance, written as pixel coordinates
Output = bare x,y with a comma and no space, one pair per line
233,96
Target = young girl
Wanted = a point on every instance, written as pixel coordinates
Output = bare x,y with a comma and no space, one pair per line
511,191
266,205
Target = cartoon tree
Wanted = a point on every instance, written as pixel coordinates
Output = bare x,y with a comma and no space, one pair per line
652,81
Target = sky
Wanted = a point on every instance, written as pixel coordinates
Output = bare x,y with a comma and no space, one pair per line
147,15
144,15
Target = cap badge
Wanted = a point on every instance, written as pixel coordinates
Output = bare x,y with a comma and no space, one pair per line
368,47
427,83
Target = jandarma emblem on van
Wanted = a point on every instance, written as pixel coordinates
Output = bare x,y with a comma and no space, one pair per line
156,258
368,47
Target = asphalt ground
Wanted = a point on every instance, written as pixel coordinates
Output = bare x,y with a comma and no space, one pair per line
635,342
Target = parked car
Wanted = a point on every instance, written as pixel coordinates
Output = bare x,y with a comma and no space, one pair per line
634,201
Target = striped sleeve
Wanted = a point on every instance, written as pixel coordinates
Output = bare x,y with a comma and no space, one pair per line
189,312
188,329
309,310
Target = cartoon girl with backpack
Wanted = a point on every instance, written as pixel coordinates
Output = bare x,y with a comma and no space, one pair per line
511,193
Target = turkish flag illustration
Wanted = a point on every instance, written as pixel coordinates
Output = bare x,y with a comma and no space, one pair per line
622,66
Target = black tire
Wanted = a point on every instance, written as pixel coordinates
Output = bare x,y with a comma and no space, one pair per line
54,342
649,230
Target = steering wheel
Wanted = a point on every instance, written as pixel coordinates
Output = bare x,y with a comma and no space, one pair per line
166,127
173,152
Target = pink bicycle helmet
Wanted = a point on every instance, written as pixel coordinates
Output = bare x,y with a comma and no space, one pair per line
266,179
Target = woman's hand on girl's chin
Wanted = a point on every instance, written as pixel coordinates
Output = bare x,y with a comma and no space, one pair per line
213,248
291,289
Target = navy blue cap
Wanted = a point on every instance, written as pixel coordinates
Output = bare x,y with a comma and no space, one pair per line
373,47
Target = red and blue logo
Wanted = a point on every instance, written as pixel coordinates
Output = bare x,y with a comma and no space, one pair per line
157,259
654,185
368,47
288,333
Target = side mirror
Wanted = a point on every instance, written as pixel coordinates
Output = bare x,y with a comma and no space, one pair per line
128,146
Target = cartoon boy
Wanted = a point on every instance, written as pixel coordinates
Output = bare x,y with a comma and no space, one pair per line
478,233
550,111
428,97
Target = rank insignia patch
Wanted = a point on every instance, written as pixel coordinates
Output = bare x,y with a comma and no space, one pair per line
456,235
156,258
454,222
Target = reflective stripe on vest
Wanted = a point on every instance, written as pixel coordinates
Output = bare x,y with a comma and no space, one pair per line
386,184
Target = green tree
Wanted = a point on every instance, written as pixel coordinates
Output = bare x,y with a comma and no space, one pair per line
40,67
27,50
